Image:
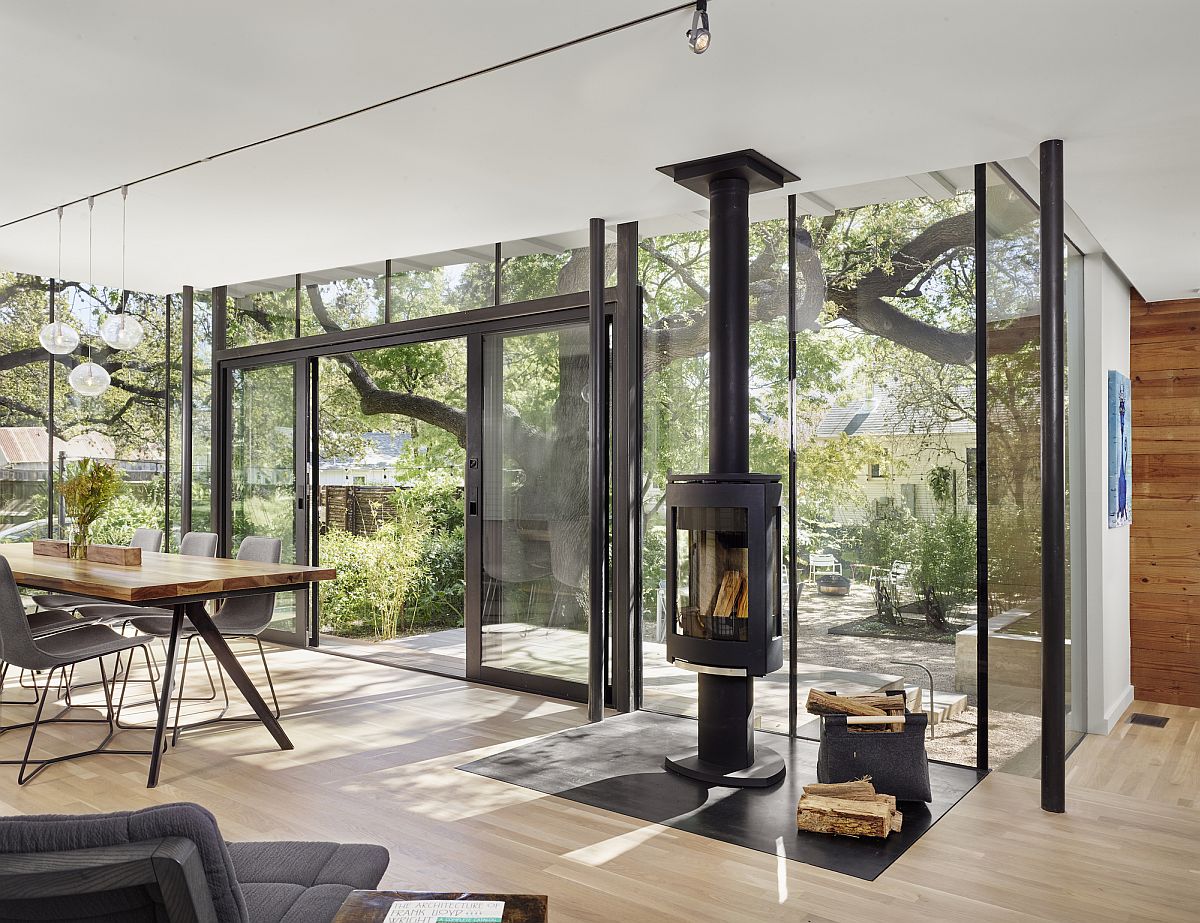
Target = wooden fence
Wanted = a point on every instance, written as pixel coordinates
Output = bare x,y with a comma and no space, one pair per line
357,509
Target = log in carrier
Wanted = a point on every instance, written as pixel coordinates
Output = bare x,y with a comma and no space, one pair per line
848,809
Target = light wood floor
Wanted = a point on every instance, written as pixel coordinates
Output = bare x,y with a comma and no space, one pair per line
374,761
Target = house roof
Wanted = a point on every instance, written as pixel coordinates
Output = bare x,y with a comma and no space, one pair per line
879,416
25,445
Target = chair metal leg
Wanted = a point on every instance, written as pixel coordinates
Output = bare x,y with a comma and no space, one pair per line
37,720
222,716
20,684
125,685
109,719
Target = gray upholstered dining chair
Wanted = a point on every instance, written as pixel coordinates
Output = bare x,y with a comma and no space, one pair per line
169,863
52,653
146,539
238,617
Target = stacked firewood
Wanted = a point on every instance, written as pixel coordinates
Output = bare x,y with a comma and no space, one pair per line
874,706
849,809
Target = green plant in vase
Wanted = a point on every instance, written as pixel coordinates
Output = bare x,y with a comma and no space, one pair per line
90,486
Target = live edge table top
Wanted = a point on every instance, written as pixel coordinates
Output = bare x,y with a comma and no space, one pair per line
160,578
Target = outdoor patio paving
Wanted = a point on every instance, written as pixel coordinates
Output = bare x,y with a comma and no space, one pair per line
849,663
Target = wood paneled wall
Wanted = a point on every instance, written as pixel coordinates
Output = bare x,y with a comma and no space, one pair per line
1164,567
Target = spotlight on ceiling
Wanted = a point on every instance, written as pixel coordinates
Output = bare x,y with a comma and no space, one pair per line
699,36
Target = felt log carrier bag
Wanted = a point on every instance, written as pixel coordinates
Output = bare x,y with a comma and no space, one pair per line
896,761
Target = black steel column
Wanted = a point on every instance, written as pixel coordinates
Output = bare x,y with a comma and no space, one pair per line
1054,610
598,469
187,352
729,325
982,590
218,414
626,483
793,596
50,426
167,431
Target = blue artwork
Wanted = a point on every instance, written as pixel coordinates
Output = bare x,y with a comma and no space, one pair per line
1120,467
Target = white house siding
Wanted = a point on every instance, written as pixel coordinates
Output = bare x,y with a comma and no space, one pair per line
910,467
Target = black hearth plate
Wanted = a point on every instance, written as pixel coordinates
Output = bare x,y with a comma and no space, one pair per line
617,765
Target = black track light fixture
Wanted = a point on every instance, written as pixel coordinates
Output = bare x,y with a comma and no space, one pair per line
699,36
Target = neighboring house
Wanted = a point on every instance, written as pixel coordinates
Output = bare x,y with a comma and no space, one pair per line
26,448
25,458
911,450
375,467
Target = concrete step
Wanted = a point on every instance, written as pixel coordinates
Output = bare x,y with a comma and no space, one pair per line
945,704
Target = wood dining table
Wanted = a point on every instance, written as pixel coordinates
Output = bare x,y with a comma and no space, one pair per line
183,584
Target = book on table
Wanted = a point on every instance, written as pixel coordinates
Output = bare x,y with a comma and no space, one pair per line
446,912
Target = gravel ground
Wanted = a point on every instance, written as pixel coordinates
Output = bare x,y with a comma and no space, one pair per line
1012,737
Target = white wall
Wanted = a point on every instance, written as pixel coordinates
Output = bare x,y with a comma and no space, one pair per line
1106,346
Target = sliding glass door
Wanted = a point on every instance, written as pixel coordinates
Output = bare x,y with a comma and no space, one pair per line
266,407
528,496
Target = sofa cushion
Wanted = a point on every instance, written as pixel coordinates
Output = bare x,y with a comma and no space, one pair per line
290,882
288,903
356,865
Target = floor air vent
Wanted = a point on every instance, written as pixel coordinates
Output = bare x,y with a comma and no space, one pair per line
1155,721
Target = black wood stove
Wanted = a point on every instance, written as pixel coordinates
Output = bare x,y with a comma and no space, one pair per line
723,530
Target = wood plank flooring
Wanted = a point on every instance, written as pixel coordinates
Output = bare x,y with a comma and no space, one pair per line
374,761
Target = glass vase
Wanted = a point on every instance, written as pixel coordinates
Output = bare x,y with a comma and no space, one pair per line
77,544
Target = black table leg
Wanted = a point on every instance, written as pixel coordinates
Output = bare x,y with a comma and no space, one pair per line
225,657
164,702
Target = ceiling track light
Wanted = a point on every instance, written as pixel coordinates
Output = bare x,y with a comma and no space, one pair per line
699,36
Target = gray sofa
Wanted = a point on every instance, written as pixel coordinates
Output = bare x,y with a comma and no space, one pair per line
168,864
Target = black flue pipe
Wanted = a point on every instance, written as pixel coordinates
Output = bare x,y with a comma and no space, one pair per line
729,326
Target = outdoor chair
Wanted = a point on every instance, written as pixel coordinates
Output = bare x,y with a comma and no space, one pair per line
889,584
168,864
510,559
146,539
52,653
569,550
240,617
821,564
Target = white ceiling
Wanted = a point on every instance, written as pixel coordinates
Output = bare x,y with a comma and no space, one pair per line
841,93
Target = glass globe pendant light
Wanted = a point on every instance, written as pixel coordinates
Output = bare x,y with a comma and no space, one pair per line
89,379
121,331
56,337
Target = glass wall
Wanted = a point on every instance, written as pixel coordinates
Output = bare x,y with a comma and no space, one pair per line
429,287
390,500
24,414
261,312
202,368
343,299
1014,481
126,424
885,438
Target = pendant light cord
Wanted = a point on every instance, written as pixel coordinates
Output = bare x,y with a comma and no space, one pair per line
91,206
124,293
